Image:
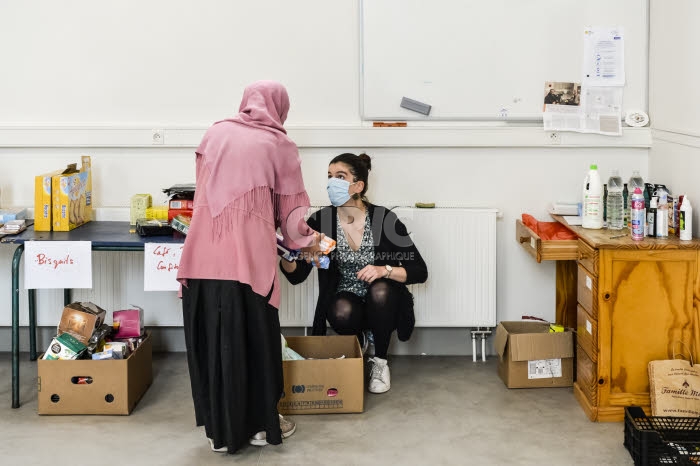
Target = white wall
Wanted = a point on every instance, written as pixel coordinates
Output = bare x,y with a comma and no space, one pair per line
509,167
674,78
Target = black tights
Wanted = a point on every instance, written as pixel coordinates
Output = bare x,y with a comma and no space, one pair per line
351,314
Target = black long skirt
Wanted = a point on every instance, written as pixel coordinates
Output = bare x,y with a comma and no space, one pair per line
234,356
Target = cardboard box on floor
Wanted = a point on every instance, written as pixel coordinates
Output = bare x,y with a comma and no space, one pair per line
529,356
117,384
324,384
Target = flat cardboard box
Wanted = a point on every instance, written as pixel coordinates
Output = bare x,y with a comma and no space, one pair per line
324,384
117,384
72,196
80,320
529,356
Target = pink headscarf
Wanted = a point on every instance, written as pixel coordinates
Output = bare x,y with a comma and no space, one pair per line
252,149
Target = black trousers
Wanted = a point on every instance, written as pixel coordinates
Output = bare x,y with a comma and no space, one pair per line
234,357
350,314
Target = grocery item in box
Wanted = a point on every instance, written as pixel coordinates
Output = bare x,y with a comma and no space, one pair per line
177,204
81,320
172,213
159,212
139,204
181,223
120,350
72,196
128,323
107,354
64,347
43,201
145,227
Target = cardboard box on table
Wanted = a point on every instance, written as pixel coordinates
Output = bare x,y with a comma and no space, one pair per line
529,356
117,384
324,384
72,196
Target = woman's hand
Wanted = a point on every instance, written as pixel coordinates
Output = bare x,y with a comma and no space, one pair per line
371,273
288,267
312,252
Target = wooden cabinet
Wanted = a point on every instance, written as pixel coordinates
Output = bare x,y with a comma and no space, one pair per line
629,301
635,299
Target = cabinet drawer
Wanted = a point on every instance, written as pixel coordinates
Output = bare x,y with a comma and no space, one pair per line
588,257
587,333
587,291
545,250
587,376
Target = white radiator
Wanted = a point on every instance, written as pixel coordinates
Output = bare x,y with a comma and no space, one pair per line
459,247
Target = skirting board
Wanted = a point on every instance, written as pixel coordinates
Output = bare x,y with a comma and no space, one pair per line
425,341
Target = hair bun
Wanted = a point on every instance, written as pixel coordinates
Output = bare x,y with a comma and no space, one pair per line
366,159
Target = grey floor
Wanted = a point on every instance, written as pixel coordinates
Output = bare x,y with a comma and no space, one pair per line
440,410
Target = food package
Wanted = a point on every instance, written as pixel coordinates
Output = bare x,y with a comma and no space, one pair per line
64,347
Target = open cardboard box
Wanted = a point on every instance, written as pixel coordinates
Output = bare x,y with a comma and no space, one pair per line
117,384
324,384
529,356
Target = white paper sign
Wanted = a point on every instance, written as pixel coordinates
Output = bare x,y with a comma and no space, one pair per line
160,265
57,264
544,369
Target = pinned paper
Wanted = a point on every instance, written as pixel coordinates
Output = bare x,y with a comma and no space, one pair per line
57,264
160,266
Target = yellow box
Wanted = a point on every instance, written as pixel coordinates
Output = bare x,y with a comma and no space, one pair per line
159,212
72,196
139,204
42,201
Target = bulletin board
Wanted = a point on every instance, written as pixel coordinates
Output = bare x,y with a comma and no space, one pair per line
487,59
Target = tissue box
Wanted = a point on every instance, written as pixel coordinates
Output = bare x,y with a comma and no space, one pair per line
128,323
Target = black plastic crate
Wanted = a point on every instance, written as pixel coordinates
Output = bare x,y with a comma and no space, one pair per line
655,440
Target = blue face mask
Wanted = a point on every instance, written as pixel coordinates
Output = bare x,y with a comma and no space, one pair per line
338,191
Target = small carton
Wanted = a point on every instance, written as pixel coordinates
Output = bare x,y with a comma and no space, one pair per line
531,356
112,386
43,201
72,196
139,204
64,347
330,380
128,323
80,320
8,215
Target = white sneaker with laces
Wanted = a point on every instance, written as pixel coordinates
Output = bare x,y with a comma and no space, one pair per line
380,377
287,426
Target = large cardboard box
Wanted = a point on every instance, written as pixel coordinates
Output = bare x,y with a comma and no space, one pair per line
72,196
530,356
80,320
324,384
116,384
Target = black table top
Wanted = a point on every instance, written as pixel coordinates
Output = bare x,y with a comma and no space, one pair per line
102,234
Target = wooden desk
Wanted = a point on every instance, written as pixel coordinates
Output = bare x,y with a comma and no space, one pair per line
634,300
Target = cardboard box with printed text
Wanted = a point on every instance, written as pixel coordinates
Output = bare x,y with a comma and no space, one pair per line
530,356
324,384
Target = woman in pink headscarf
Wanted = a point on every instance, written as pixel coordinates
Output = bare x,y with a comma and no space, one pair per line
249,183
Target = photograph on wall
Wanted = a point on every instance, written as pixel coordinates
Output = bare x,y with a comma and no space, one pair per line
561,93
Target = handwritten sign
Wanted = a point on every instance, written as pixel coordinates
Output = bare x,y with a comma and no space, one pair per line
160,266
57,264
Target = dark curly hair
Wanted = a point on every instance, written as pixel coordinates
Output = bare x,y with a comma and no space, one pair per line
360,165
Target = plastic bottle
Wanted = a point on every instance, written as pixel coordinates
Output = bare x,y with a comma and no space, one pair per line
686,220
651,217
616,203
592,200
626,206
635,181
661,220
637,214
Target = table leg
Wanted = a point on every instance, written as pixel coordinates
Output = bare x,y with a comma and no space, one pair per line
66,297
16,259
566,274
31,298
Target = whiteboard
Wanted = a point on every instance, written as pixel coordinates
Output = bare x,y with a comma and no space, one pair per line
487,59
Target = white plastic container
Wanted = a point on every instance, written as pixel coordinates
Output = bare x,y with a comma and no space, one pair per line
592,200
637,215
686,220
661,220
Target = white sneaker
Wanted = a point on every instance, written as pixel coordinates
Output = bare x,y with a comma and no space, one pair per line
380,377
218,450
287,426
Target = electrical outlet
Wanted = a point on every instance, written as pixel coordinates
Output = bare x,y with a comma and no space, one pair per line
157,136
553,138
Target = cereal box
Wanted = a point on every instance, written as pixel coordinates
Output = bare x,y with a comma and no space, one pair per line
72,196
42,201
